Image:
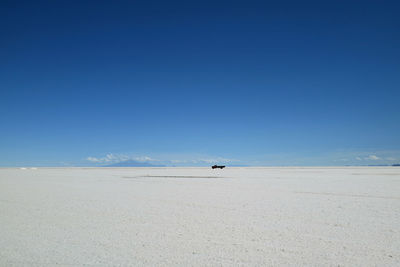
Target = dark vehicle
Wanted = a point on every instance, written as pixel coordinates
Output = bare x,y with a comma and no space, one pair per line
217,167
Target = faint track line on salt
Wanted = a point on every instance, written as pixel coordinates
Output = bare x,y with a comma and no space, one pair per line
171,176
345,195
390,174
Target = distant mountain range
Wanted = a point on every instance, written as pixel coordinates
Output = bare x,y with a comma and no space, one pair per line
383,165
133,163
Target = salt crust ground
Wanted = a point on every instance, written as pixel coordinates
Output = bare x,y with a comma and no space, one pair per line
200,217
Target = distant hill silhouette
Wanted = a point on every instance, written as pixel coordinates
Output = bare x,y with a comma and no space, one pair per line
133,163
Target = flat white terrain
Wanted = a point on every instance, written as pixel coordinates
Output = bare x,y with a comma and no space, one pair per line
200,217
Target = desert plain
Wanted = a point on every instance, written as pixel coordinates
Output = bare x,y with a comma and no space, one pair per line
275,216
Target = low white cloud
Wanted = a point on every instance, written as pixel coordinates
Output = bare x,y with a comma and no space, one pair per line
144,159
216,160
177,161
115,158
372,157
93,159
201,161
183,161
342,159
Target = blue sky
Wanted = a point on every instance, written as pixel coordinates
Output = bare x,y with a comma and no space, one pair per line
197,82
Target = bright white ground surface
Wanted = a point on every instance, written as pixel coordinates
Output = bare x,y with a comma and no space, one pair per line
200,217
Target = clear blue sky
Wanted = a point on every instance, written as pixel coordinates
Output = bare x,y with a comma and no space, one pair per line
192,82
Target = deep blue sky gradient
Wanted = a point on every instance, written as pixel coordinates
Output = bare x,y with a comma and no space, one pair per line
265,83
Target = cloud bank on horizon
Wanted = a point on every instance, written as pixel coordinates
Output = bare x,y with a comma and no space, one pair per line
111,158
335,159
